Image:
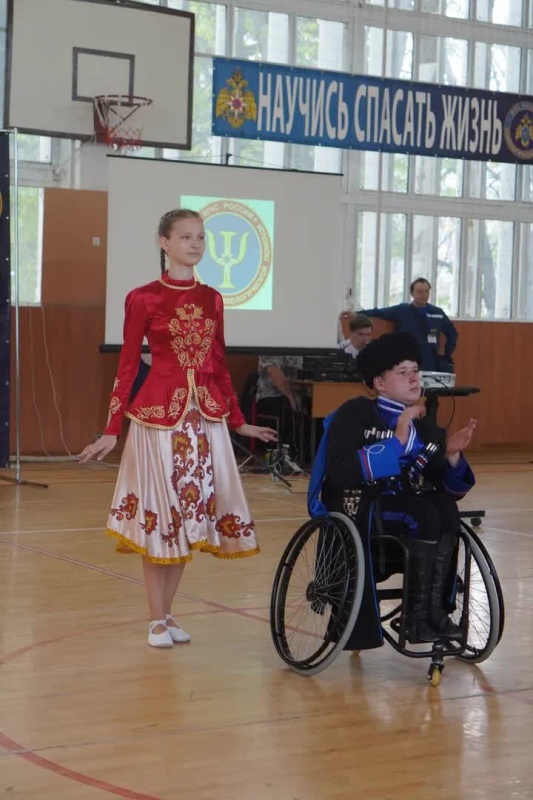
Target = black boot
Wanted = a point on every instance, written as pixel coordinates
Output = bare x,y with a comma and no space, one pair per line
417,625
439,619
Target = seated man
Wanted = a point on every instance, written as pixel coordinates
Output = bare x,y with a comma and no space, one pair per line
387,447
360,333
276,395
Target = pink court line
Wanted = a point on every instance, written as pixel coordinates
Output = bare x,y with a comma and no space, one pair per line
56,639
215,606
16,749
51,766
69,560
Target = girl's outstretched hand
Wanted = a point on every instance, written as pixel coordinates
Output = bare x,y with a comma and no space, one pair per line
257,432
98,449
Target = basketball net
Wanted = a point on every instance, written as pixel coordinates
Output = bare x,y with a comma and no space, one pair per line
111,111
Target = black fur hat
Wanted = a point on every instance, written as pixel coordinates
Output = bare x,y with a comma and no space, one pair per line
385,353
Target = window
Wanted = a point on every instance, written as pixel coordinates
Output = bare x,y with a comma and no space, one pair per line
488,288
500,12
320,43
34,148
209,27
204,145
525,288
30,208
381,284
436,256
399,55
450,8
447,219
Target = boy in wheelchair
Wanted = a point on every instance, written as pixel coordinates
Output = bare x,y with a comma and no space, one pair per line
388,465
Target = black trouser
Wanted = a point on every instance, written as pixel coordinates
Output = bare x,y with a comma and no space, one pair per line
432,517
429,517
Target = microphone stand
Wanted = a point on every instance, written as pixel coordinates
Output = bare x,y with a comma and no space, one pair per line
268,468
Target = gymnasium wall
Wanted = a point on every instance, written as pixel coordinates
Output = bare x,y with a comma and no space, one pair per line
496,356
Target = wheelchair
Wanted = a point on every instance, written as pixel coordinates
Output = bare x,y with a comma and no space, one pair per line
318,590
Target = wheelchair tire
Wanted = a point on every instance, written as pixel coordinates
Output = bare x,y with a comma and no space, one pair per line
317,593
485,602
494,574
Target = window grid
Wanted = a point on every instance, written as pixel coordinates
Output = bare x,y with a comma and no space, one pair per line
489,27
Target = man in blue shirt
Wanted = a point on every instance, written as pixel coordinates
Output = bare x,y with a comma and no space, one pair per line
427,323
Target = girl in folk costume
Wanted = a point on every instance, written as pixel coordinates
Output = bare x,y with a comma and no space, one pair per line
178,488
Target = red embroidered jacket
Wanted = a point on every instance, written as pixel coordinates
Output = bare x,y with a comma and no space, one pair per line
183,322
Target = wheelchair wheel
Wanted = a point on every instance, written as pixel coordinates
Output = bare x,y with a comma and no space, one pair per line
317,593
484,601
494,574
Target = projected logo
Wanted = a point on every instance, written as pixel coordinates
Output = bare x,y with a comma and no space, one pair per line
518,130
238,254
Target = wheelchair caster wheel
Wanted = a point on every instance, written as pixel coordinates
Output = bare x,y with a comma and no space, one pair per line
435,674
476,522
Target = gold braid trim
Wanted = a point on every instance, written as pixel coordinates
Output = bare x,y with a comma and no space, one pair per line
240,554
178,288
125,545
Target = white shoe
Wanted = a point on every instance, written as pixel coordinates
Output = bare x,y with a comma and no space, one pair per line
163,639
177,635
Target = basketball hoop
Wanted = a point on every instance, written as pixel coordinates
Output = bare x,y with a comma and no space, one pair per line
110,113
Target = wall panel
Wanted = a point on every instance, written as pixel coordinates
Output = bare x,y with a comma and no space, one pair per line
492,355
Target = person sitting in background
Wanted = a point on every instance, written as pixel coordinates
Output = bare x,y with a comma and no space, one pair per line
276,396
360,333
426,323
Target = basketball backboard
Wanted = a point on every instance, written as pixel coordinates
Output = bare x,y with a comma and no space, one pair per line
61,53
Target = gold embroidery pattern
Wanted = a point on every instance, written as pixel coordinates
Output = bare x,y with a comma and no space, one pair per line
150,411
193,344
178,398
114,407
206,398
116,384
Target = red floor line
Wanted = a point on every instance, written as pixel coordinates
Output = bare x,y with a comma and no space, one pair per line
104,571
44,763
69,560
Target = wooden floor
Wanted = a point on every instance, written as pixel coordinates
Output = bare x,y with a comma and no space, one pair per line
89,711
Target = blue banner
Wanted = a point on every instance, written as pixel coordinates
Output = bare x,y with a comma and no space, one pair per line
314,107
5,300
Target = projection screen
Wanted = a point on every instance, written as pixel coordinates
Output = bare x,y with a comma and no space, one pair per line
272,245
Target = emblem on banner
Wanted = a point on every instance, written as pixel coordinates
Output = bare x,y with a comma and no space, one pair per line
518,130
236,103
238,255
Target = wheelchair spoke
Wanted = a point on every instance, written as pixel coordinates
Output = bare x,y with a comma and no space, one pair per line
482,601
316,593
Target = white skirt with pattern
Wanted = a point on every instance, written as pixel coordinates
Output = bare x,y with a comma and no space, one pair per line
179,490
